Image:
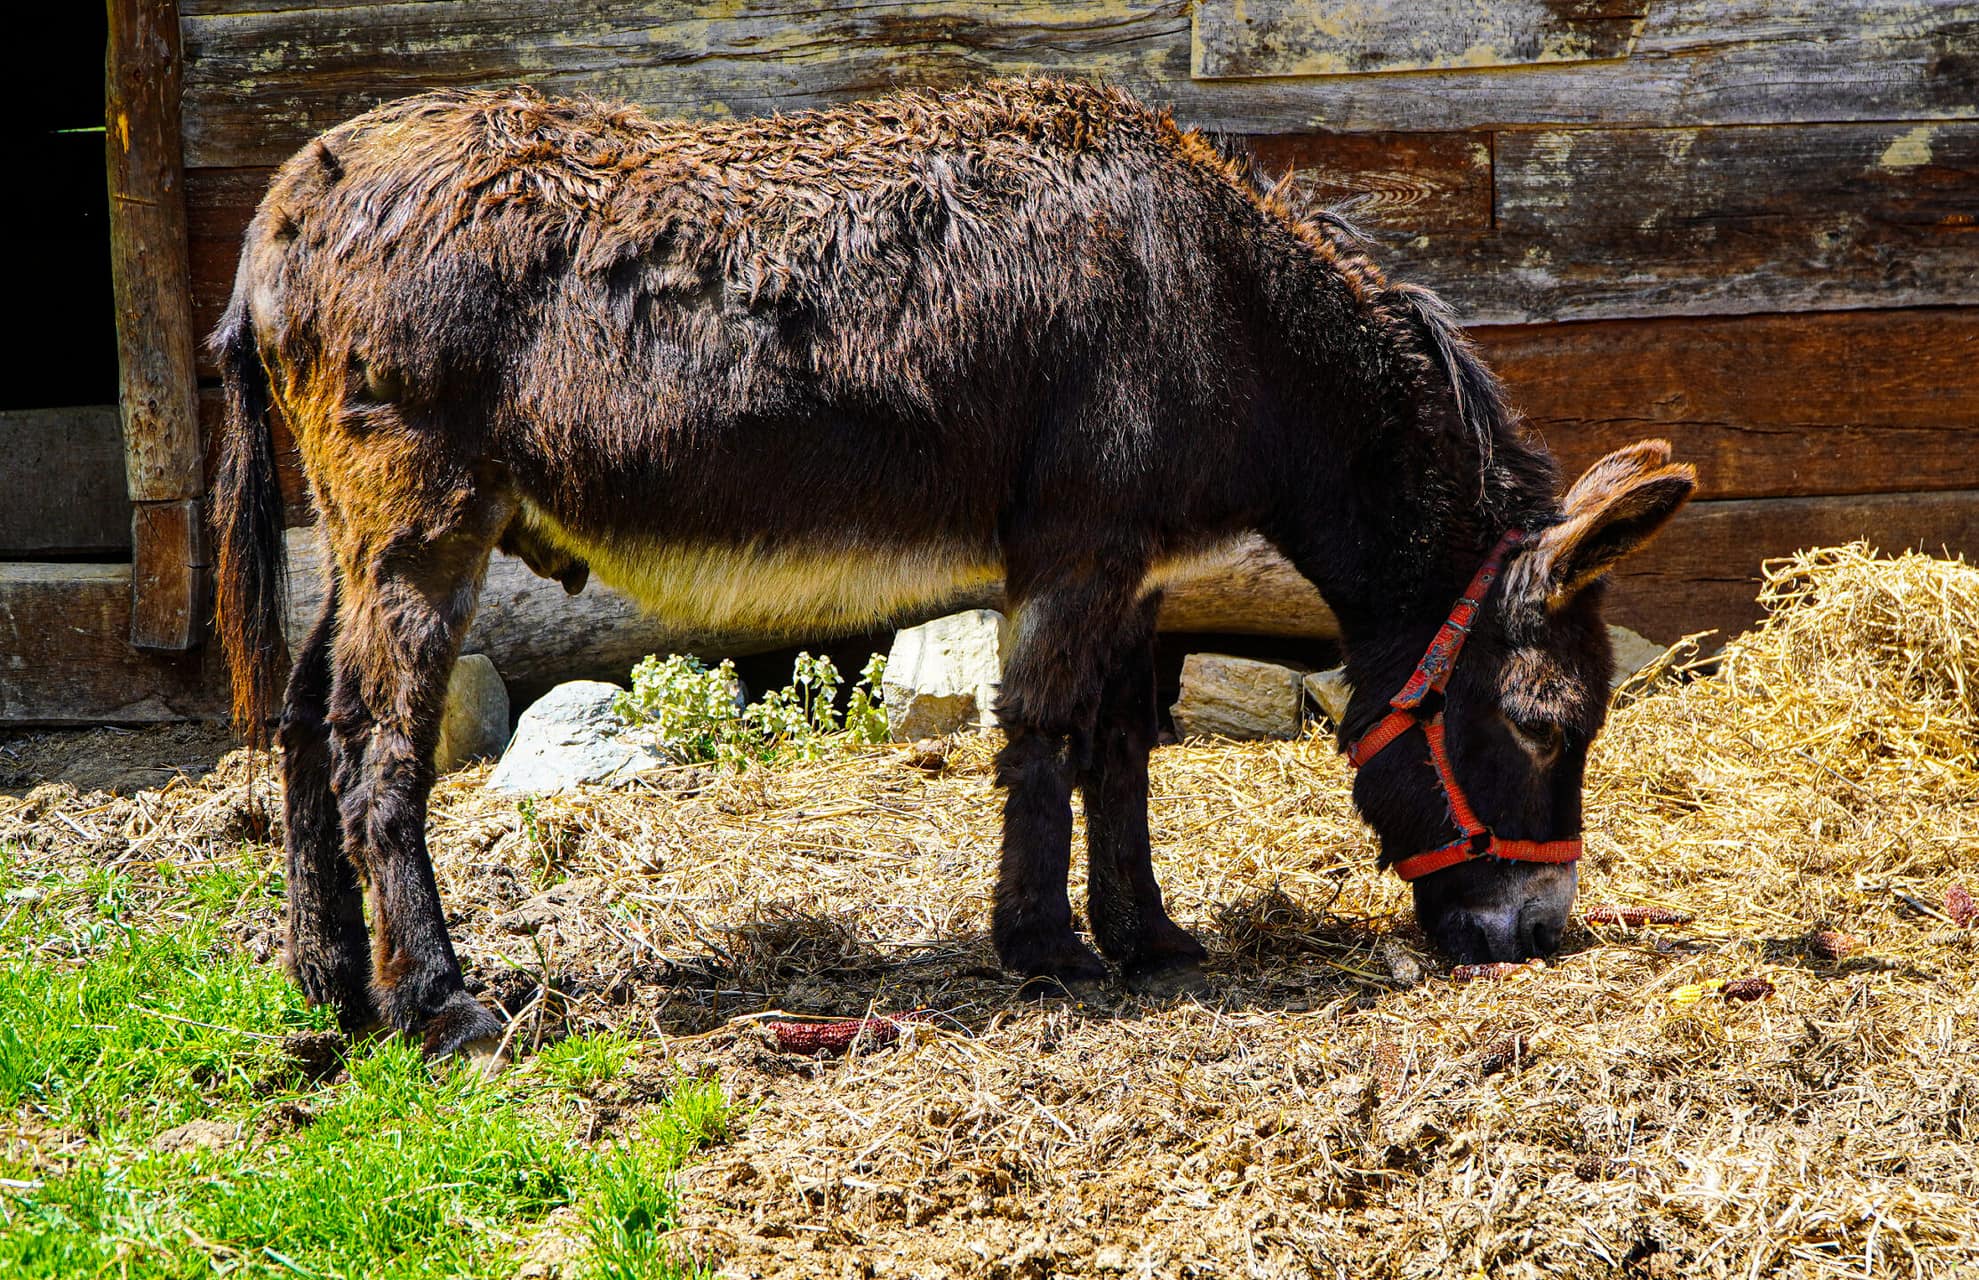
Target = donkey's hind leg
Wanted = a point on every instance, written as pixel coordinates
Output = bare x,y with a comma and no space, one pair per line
401,629
328,949
1123,900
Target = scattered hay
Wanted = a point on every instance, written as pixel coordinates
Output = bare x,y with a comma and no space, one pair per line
1778,1078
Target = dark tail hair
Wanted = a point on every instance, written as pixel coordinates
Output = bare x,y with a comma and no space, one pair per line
247,527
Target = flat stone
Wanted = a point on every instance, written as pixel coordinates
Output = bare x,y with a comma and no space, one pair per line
1238,698
1330,692
569,737
475,723
942,676
1632,653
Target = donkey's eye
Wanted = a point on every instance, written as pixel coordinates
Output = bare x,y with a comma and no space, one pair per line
1543,736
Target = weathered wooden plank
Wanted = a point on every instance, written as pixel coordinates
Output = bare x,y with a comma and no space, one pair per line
264,75
170,583
62,483
1247,39
66,656
1638,222
219,205
1766,406
1703,571
1405,182
148,250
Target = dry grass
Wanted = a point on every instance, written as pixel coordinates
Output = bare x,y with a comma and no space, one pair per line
1328,1112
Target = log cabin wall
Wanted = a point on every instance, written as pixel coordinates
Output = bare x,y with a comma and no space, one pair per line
1749,225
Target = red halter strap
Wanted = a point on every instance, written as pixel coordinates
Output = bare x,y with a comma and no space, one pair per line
1432,674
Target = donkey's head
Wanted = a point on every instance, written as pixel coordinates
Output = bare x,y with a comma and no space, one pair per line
1471,773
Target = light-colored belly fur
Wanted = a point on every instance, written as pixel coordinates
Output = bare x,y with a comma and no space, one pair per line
829,587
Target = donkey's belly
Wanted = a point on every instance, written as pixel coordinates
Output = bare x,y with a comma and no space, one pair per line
787,588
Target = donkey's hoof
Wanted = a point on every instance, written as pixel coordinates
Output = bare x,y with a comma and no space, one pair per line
1068,962
1169,979
462,1026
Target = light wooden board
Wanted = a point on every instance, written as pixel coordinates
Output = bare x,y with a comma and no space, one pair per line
264,75
1601,223
1245,39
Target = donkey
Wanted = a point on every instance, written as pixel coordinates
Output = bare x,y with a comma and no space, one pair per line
827,368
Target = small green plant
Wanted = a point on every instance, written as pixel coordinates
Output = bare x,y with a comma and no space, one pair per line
627,1220
696,712
580,1061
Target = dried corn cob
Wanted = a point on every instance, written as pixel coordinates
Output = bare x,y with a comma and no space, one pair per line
1634,917
836,1037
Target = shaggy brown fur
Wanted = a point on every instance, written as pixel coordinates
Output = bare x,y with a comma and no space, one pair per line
824,367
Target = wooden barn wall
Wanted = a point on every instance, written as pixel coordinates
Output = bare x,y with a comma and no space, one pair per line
1749,225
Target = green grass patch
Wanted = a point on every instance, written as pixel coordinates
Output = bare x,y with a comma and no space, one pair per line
111,1034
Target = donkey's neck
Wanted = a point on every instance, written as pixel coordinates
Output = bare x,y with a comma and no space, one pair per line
1413,464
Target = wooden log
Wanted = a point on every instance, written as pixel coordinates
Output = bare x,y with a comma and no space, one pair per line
62,484
1406,182
1766,406
171,585
1581,224
154,319
1600,224
1247,39
219,205
1703,571
66,655
1696,62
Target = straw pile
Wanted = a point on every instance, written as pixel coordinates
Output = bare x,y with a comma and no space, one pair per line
1784,1085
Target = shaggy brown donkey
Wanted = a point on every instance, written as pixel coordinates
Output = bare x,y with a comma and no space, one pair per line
829,367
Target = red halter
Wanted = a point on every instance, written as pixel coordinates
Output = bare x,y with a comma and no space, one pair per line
1431,675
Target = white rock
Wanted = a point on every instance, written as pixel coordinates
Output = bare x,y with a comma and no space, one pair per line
1237,698
1632,653
943,675
568,737
475,723
1330,692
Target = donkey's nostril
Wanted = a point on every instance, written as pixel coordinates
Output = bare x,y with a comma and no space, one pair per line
1539,938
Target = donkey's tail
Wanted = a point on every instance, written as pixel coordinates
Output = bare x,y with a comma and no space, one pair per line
247,526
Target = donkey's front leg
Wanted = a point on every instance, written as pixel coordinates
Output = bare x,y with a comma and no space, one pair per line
328,949
394,651
1123,901
1049,700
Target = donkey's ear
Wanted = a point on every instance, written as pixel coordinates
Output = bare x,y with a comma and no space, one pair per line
1618,505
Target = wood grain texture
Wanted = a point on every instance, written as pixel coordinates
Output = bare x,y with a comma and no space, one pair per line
265,75
1596,224
219,205
1398,182
62,483
1242,39
1574,223
148,251
1703,570
1766,406
66,656
171,585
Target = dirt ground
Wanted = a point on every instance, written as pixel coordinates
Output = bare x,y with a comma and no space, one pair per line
1338,1106
1784,1083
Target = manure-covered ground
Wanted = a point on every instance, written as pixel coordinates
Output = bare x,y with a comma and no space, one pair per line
1336,1106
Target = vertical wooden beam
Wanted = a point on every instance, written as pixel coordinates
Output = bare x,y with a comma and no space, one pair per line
158,392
